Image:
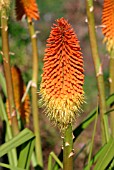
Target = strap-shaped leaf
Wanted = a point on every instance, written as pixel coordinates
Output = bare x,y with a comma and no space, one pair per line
26,153
106,155
52,155
22,137
8,135
96,157
10,166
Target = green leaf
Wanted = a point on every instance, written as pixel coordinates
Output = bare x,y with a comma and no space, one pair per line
52,154
102,154
93,160
8,134
3,116
10,166
26,153
9,147
22,137
106,155
93,136
110,100
50,162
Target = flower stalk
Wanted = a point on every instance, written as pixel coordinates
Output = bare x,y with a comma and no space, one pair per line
111,81
30,10
7,70
68,151
98,70
107,30
35,112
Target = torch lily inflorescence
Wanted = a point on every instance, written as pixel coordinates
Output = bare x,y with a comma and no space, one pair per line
28,8
63,75
108,23
19,89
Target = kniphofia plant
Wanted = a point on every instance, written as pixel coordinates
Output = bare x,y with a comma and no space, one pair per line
62,82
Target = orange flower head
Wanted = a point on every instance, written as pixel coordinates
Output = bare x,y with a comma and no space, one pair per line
108,23
62,79
28,8
19,89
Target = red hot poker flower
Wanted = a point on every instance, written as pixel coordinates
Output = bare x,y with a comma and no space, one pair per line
63,78
19,89
108,23
28,8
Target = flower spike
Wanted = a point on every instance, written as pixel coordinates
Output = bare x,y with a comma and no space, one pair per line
19,90
108,23
28,8
62,79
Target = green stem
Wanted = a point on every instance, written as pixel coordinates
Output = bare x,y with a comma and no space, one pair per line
35,112
68,149
98,70
7,71
111,80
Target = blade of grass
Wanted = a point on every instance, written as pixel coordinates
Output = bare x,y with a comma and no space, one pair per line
93,136
52,155
12,156
10,166
106,156
26,153
50,162
22,137
3,116
101,154
94,159
56,159
33,159
110,100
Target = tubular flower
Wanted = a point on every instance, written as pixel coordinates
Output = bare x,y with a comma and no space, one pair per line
28,8
19,90
62,79
108,23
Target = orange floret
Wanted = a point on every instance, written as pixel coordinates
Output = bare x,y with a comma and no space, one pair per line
28,8
108,23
